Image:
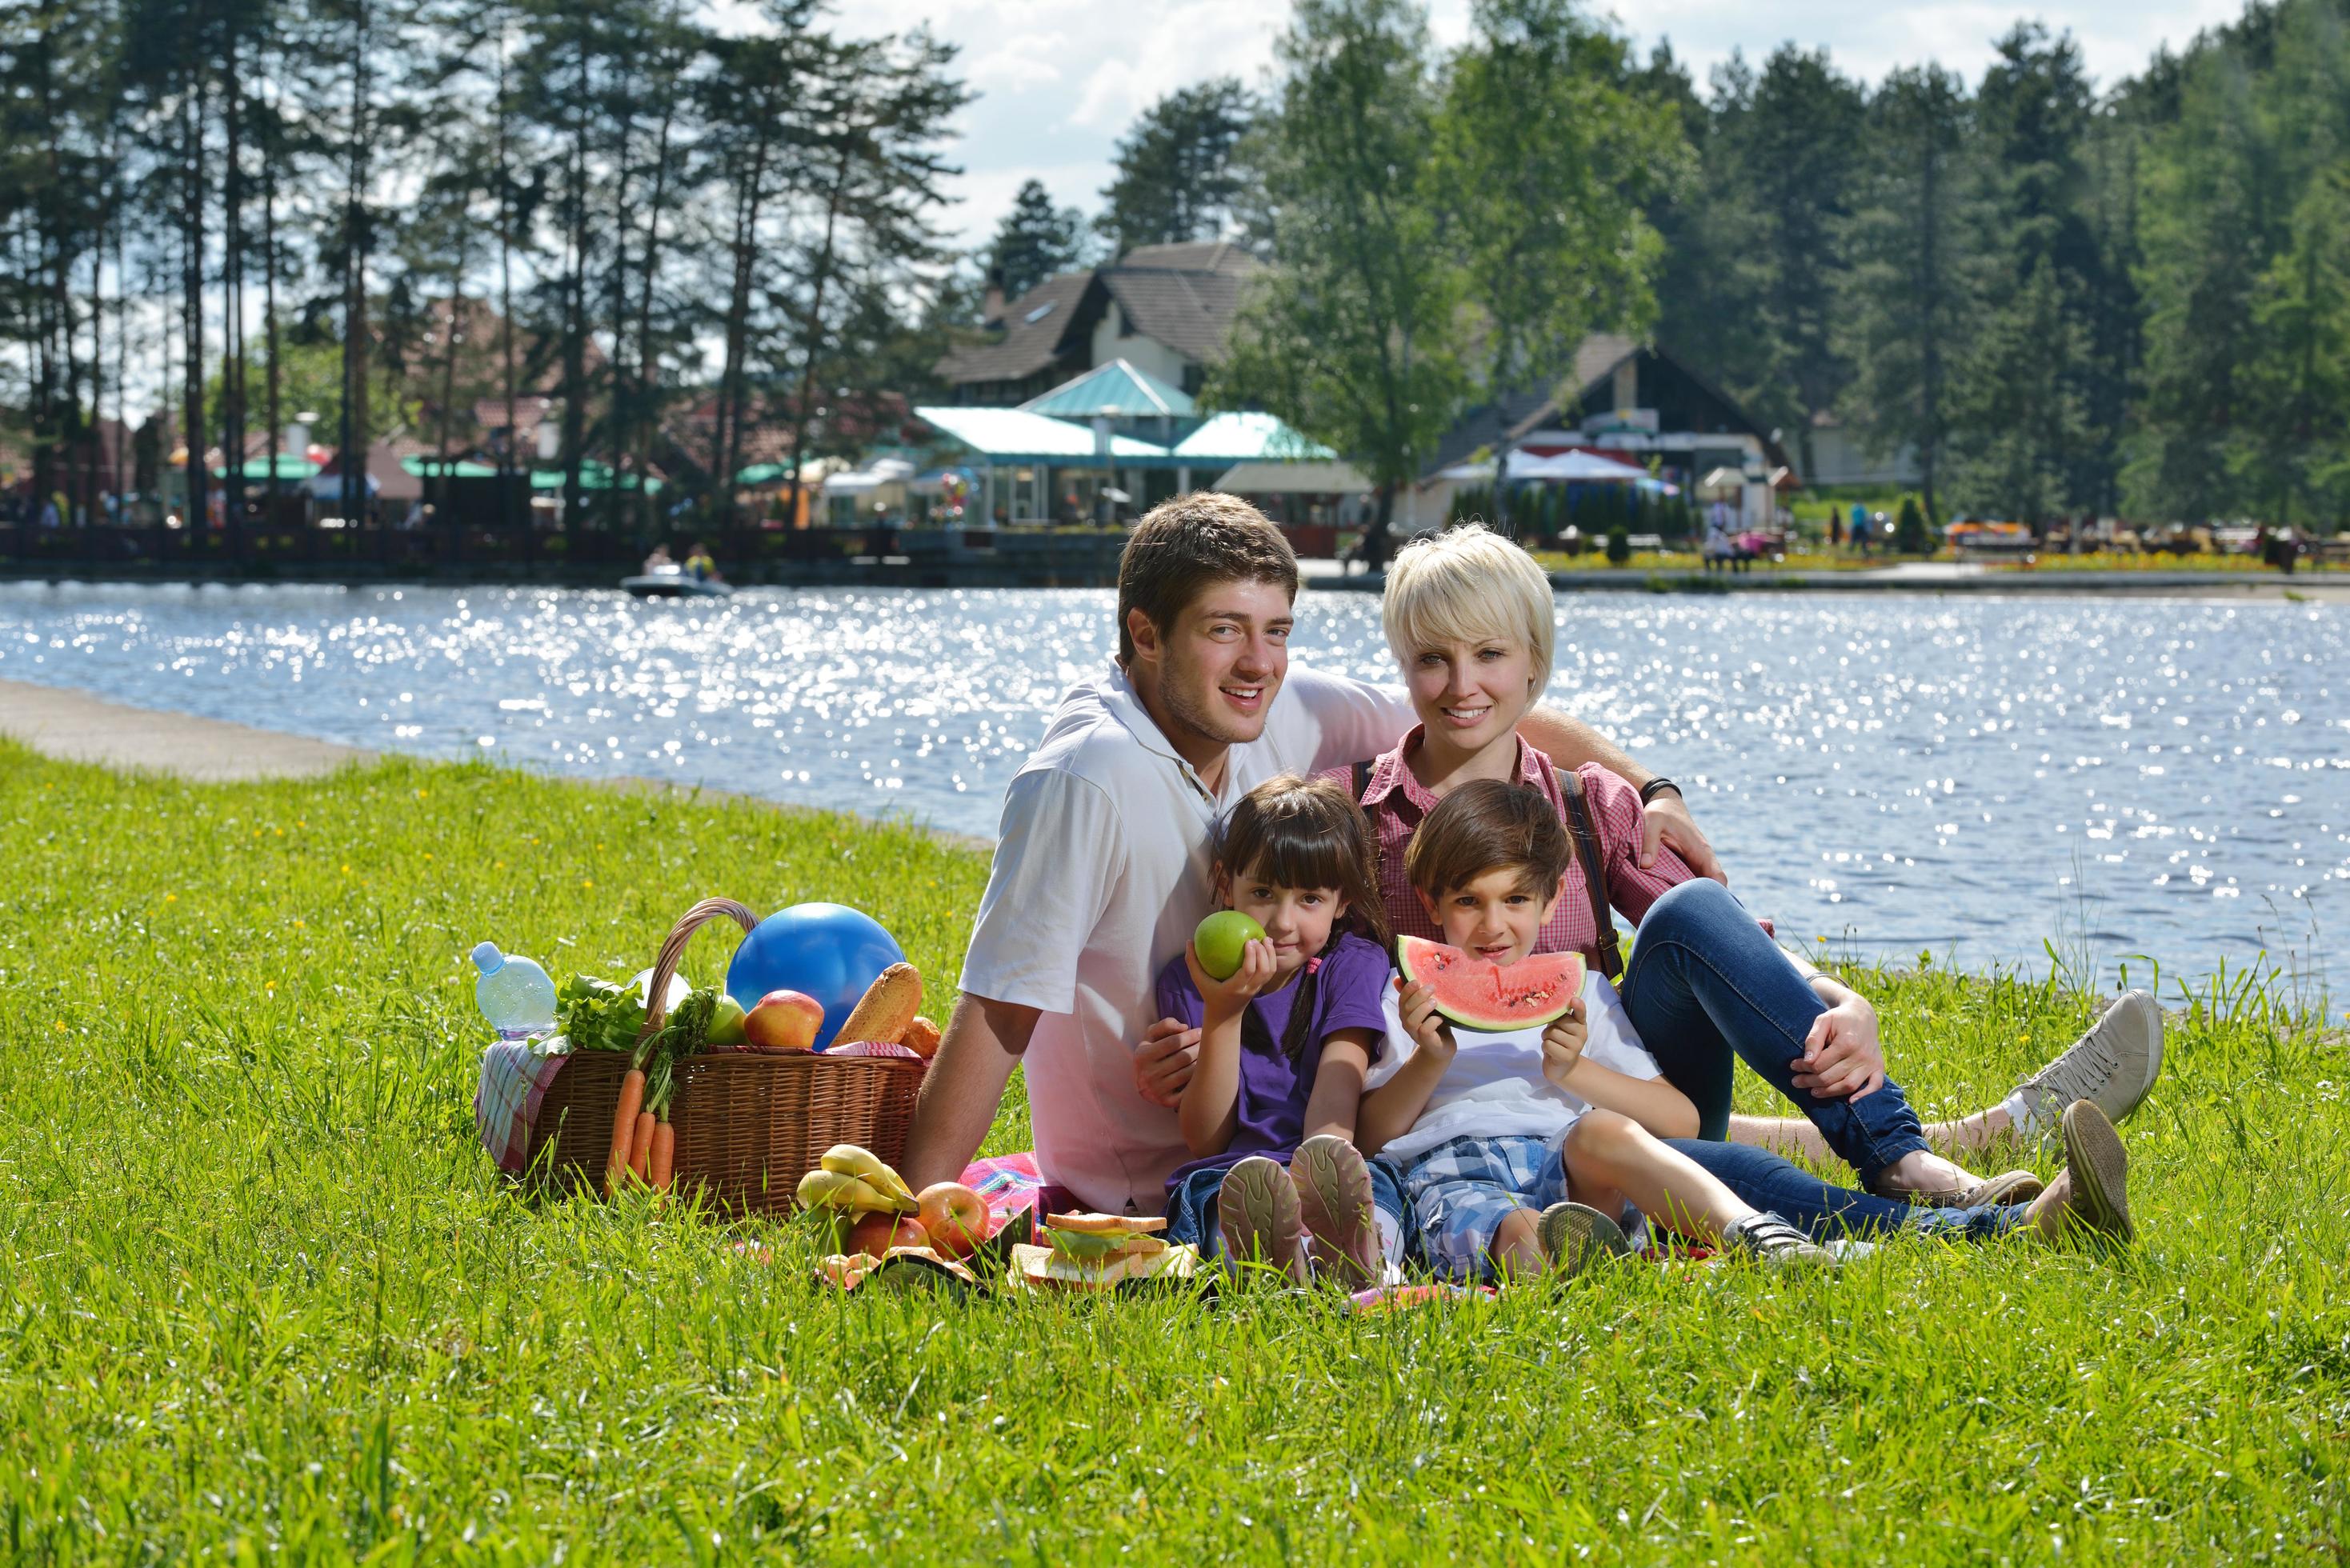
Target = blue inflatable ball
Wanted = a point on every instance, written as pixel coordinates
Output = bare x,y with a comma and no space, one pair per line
828,951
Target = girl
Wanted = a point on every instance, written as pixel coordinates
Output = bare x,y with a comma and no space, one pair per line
1284,1043
1471,619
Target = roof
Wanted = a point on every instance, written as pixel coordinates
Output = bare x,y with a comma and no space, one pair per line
1330,478
1033,327
1248,438
1183,295
1117,390
1015,435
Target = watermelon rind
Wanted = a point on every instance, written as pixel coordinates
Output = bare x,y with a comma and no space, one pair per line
1480,996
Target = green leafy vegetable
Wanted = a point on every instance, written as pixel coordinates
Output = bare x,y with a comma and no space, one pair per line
598,1014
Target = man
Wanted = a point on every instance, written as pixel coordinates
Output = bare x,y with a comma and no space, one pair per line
1102,865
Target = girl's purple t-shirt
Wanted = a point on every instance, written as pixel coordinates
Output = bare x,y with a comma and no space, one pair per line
1348,991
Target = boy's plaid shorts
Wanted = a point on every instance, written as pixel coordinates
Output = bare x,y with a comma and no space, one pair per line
1461,1191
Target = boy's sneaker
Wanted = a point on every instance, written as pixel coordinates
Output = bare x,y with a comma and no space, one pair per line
1332,1184
2091,1194
1257,1207
2112,1066
1767,1238
1574,1236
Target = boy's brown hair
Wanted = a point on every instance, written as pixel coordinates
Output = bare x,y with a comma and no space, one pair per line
1181,546
1486,825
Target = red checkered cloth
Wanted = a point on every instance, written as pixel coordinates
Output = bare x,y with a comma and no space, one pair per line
515,1078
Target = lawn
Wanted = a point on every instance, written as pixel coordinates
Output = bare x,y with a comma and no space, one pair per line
261,1296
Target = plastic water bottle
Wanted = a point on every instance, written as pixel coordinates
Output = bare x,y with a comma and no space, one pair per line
513,993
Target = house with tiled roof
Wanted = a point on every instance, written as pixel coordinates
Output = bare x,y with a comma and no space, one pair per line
1163,309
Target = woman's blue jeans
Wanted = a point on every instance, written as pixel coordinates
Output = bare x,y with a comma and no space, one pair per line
1824,1212
1706,987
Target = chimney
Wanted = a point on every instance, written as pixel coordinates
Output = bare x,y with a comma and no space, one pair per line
991,313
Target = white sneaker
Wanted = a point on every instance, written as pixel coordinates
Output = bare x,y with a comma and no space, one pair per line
2112,1066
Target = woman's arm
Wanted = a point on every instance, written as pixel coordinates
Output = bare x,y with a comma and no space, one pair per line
1337,1094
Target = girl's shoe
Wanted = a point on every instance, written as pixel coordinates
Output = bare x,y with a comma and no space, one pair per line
1767,1238
1332,1184
1257,1207
2112,1066
1574,1236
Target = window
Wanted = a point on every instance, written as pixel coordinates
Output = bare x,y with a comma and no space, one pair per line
1041,312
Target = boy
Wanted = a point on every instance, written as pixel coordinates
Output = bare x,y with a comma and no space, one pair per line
1518,1151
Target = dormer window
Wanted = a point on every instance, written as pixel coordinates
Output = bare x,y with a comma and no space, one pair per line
1041,312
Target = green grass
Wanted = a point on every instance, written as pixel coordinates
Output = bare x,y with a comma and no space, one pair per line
262,1296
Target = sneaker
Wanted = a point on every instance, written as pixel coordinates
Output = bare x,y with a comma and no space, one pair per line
2091,1194
1334,1198
1574,1237
1992,1191
1257,1207
2112,1066
1767,1238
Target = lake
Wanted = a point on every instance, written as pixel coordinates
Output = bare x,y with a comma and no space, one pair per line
1970,776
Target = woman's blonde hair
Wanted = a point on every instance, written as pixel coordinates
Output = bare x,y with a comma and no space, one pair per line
1467,584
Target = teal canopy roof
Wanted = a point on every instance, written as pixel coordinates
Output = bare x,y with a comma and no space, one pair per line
1118,391
288,467
1015,435
1249,438
459,468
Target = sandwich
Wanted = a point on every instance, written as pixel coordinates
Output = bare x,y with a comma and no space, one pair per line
1094,1251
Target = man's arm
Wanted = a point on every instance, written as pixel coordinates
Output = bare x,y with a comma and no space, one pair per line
1570,743
964,1086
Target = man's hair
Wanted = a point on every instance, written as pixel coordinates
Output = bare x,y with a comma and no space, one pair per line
1487,826
1183,547
1466,584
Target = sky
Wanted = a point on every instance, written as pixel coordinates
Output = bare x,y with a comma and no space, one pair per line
1060,80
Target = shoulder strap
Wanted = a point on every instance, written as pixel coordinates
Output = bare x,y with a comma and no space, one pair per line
1362,778
1594,877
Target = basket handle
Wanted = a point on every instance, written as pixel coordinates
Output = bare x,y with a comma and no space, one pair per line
665,966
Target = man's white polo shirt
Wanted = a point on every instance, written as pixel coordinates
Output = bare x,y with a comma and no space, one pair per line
1101,871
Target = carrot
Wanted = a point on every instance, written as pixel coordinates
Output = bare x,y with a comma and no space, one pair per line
624,1128
664,1158
641,1153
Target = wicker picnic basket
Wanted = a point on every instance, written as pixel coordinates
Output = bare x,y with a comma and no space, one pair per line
749,1124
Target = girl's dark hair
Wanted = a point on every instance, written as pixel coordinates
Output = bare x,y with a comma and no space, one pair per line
1293,832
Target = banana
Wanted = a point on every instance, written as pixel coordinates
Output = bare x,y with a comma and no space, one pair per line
831,1190
847,1159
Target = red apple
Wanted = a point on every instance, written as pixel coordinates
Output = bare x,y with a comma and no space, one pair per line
879,1232
954,1215
783,1021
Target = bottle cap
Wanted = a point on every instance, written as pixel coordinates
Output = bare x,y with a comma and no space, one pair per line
488,959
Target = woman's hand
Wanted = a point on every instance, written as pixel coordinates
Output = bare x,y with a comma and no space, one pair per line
1842,1059
1225,998
1430,1034
1667,820
1563,1043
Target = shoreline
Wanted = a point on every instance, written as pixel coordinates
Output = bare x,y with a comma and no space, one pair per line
1924,578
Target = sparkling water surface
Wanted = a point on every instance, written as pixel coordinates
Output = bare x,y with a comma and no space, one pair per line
1970,775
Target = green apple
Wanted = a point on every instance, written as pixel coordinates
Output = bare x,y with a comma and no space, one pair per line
1219,941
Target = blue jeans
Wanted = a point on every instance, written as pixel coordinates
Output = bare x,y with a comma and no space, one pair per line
1826,1212
1192,1205
1706,987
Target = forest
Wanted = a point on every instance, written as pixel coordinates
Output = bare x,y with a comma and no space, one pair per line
699,250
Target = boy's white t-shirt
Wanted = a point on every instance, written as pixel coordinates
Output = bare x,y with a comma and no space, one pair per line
1495,1086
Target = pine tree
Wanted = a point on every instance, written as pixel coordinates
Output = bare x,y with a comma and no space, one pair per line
1177,179
1036,241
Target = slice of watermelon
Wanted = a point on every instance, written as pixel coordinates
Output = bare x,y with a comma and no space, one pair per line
1478,993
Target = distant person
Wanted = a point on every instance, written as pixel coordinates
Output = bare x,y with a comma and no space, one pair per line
1835,528
1720,549
659,561
699,565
